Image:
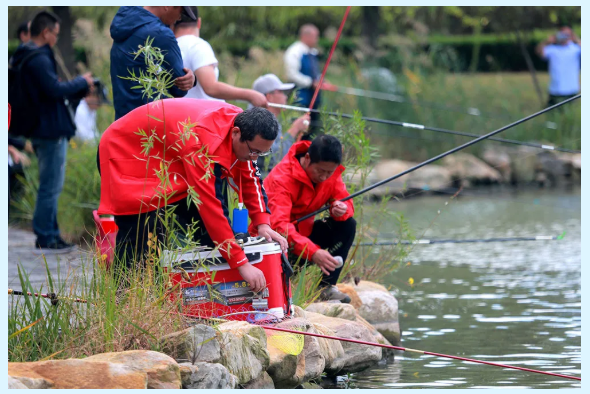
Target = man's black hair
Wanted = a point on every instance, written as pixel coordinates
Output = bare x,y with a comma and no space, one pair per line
22,28
186,21
257,121
43,20
325,148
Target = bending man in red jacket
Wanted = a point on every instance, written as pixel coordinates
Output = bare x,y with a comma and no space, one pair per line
308,178
201,143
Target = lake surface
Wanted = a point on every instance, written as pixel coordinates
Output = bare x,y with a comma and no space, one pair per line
516,303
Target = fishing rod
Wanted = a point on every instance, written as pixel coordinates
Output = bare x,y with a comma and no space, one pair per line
51,296
462,241
438,157
429,128
405,349
426,104
401,99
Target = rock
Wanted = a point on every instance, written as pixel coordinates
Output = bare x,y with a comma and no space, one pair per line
332,350
289,370
572,164
355,357
206,376
77,374
243,350
349,290
499,159
196,343
333,309
263,382
14,383
298,311
550,164
162,371
431,177
380,309
524,164
468,167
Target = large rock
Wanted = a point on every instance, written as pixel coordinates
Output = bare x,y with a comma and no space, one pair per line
263,382
431,177
524,164
206,376
286,369
464,166
347,312
77,374
194,344
355,357
243,350
162,371
333,309
380,309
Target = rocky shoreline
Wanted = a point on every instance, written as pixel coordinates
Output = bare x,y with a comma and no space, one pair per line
514,166
238,354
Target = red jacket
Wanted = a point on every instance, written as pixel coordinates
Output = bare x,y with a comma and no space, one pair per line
292,195
129,181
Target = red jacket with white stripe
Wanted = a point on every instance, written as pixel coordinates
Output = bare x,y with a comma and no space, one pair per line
179,129
292,195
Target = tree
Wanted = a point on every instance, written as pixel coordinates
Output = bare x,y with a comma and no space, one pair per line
65,44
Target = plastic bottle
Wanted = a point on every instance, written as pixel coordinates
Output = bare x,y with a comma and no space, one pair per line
240,219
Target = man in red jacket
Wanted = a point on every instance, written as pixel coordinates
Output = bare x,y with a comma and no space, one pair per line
196,145
308,178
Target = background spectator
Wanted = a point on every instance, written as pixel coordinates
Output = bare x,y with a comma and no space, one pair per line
55,127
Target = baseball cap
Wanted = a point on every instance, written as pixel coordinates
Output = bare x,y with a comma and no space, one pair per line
188,15
269,83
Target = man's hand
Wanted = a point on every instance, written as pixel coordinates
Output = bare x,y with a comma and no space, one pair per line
323,259
187,81
253,276
18,157
258,99
328,86
299,126
265,231
338,209
89,80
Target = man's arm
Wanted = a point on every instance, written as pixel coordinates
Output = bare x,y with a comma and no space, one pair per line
212,87
173,57
41,70
338,193
211,209
541,46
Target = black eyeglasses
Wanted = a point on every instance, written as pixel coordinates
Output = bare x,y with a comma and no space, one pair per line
259,154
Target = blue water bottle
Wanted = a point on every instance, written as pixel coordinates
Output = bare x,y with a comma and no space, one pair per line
240,219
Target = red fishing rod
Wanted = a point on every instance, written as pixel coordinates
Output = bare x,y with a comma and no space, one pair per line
51,296
406,349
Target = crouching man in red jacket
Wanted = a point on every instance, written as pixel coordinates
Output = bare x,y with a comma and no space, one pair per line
194,146
308,178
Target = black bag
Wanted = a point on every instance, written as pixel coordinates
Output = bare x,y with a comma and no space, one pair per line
25,109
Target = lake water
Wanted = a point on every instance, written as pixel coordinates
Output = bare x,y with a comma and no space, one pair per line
516,303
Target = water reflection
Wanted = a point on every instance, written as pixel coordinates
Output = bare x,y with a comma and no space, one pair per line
515,303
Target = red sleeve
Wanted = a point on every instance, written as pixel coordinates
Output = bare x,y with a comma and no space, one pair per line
280,204
209,190
253,192
338,193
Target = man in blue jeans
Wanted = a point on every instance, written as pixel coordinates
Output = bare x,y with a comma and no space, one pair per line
47,95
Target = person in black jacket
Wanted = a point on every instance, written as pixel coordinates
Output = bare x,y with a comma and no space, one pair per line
131,27
47,94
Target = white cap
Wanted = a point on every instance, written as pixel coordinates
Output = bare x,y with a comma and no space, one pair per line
269,83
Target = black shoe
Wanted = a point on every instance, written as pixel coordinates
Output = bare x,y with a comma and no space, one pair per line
331,293
56,247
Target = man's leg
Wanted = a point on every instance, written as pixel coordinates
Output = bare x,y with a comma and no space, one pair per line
51,155
337,238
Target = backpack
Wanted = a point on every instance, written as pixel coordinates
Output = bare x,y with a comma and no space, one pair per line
25,109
